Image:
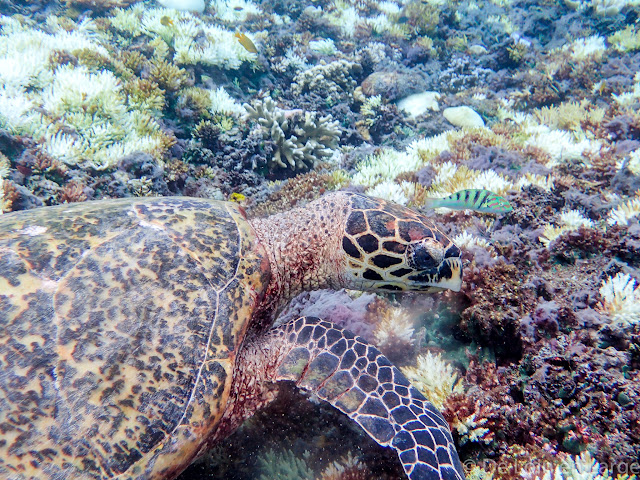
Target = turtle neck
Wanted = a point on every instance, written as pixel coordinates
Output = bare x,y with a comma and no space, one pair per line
303,246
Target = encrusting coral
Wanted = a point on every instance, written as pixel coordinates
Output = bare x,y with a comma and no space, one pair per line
302,138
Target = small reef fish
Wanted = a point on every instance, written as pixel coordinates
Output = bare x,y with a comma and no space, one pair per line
238,8
237,197
246,42
472,199
166,21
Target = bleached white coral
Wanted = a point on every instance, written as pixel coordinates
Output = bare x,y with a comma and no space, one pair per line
326,46
395,327
492,181
385,166
620,299
25,54
466,240
544,182
214,45
574,219
76,90
625,211
234,11
583,48
222,102
569,220
634,162
390,191
559,144
345,17
13,111
435,378
470,429
430,147
628,98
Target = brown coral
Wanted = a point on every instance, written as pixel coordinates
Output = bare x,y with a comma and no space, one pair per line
497,303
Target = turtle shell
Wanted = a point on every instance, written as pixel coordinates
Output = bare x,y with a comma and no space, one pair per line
119,326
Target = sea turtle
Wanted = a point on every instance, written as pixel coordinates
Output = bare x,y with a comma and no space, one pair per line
135,333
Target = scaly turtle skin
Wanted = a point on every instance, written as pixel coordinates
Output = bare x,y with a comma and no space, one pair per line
135,333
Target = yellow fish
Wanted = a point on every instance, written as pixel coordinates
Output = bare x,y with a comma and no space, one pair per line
166,21
246,42
237,197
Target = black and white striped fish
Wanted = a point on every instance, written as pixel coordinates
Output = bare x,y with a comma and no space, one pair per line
472,199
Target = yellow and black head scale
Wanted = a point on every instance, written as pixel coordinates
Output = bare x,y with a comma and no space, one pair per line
390,247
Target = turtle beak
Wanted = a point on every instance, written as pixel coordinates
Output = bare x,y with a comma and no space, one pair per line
450,274
447,275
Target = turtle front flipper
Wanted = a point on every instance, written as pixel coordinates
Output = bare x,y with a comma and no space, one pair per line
358,380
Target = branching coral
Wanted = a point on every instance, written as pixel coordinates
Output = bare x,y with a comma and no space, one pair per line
302,138
193,40
434,377
79,115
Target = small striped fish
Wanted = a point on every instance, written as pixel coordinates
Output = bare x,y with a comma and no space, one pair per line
472,199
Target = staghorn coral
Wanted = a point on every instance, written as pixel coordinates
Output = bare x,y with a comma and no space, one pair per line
166,75
144,94
302,138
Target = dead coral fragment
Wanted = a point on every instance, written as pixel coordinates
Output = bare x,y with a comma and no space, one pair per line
302,138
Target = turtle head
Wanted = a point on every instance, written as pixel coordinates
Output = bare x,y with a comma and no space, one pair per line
389,247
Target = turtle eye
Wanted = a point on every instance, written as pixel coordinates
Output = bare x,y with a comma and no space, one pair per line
422,256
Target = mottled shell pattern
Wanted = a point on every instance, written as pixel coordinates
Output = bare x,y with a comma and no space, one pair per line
90,388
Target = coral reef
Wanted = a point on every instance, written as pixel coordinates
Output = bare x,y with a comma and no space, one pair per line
538,354
302,139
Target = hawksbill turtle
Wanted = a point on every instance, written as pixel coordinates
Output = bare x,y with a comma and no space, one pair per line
136,333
